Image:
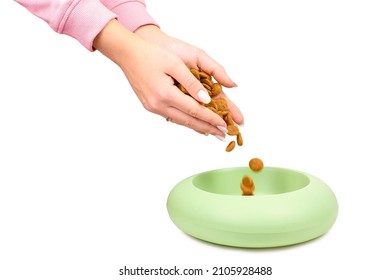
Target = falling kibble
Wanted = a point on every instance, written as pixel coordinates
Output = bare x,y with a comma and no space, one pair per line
247,186
231,146
256,165
239,139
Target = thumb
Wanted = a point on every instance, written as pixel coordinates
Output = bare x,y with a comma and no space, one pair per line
191,84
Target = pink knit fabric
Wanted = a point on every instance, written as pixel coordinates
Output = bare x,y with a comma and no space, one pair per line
132,14
84,19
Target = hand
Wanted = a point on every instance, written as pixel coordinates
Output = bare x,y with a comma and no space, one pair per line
151,71
194,58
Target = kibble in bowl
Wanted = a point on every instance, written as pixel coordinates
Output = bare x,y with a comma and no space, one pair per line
247,186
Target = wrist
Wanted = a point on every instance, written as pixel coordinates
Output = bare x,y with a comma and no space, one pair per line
150,33
114,41
148,28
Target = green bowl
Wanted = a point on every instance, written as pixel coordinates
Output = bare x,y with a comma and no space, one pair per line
288,207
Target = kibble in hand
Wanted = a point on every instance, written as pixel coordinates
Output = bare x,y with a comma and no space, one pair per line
217,105
215,89
232,130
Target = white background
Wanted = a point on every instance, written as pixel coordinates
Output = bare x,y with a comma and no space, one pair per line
85,170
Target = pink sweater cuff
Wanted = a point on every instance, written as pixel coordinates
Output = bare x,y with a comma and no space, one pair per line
85,20
132,15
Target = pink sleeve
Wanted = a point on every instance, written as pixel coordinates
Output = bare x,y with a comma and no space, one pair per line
130,13
80,19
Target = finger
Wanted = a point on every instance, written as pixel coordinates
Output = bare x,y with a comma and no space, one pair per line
192,108
183,75
236,112
200,132
211,66
181,118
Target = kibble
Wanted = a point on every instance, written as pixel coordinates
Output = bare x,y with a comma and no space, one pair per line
203,75
216,89
195,72
232,130
256,165
230,146
247,186
239,139
217,105
221,104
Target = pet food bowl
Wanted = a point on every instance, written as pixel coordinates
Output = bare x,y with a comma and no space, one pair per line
288,207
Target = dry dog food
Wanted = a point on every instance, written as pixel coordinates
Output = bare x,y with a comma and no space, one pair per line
247,186
217,105
239,139
231,146
256,165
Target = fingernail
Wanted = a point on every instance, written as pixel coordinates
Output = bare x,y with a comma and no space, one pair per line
222,128
204,97
241,125
219,137
235,85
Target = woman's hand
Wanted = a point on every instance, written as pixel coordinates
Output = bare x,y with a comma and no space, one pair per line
193,57
151,71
